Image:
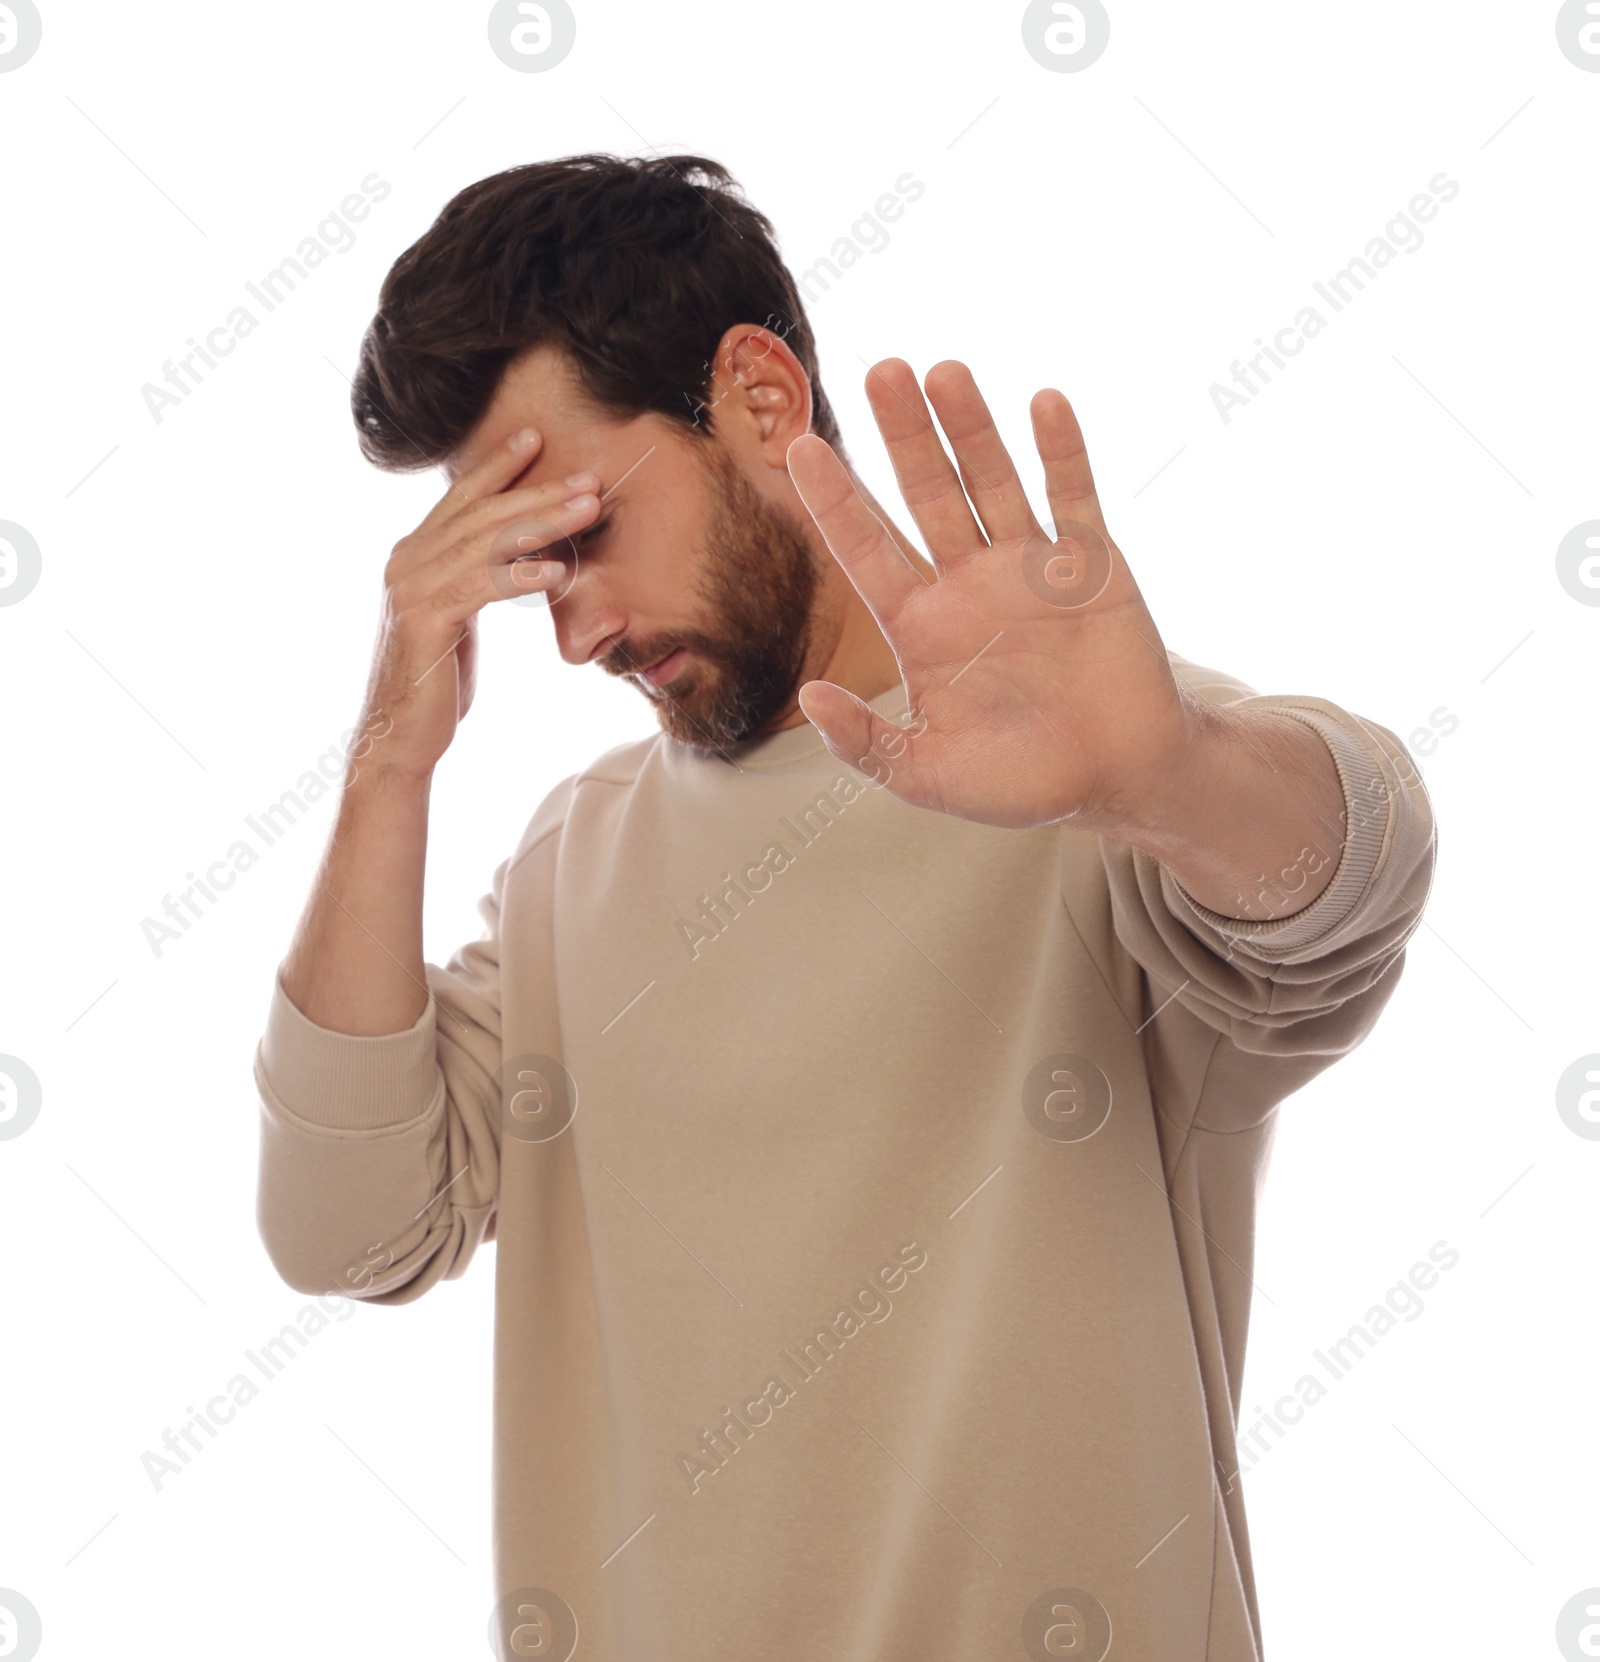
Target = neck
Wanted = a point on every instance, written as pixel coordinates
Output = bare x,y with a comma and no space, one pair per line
856,656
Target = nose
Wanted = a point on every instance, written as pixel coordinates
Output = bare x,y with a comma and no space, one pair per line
586,618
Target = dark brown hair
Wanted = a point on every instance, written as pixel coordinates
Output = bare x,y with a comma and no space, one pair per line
633,266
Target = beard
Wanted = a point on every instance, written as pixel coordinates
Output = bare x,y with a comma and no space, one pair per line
759,587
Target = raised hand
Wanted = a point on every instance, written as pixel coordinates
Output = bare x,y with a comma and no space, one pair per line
1039,682
480,543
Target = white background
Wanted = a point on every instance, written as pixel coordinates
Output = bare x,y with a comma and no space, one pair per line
1378,527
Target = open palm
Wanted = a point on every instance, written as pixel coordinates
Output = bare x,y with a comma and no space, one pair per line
1037,679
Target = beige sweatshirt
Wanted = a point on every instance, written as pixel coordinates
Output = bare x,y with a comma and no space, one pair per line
874,1200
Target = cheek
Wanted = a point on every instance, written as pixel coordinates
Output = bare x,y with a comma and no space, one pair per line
663,564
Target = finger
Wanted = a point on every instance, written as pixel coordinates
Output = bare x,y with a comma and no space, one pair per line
927,479
883,576
467,574
548,510
529,575
986,467
861,738
1068,483
538,554
525,501
492,472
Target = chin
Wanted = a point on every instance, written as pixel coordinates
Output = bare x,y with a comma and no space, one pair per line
709,738
703,723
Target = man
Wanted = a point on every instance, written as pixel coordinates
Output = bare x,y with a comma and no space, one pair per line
867,1080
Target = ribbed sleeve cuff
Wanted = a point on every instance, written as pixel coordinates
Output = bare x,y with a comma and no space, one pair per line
344,1082
1366,807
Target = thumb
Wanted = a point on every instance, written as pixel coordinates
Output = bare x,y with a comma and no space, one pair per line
853,731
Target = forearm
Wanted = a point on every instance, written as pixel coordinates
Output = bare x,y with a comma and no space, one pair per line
1252,822
355,965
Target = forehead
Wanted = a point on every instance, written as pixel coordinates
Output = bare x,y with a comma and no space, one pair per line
541,389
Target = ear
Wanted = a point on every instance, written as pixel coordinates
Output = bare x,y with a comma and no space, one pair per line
760,395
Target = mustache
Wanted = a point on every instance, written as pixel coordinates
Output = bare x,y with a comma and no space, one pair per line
623,659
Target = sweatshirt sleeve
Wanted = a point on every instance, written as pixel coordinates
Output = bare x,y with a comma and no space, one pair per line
380,1156
1239,1013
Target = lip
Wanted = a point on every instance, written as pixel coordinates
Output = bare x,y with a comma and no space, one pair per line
663,670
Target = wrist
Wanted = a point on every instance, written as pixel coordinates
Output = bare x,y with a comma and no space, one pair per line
1252,797
391,777
1156,805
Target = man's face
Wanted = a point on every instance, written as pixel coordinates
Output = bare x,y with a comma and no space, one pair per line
692,582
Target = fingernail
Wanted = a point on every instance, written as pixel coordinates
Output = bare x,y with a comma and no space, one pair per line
584,481
578,503
525,439
530,572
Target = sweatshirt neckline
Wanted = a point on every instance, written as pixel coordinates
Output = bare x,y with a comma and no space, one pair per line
791,744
